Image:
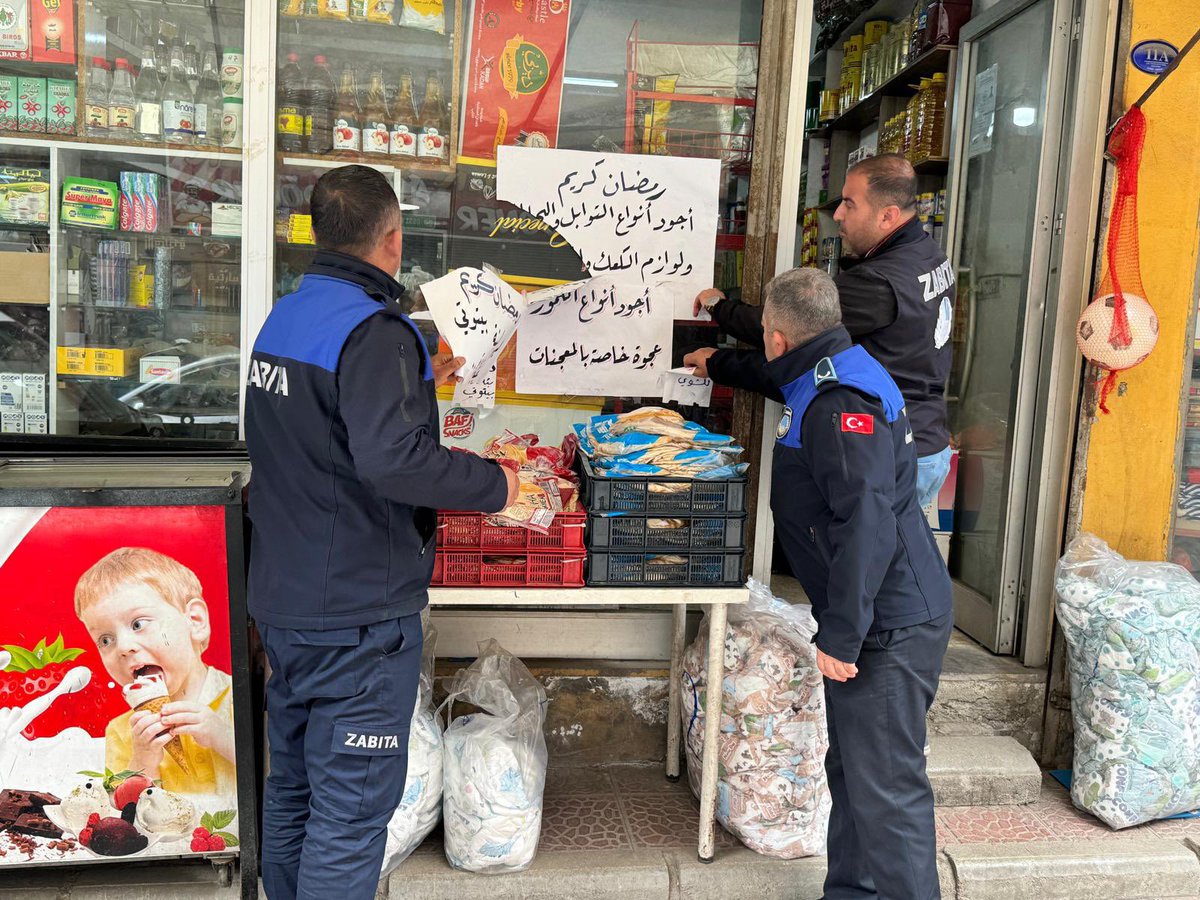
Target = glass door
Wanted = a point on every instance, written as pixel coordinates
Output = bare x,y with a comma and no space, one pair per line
1010,123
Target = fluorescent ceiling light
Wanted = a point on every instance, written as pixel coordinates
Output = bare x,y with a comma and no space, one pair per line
1024,116
590,82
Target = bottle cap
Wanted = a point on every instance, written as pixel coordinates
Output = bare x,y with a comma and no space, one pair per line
320,60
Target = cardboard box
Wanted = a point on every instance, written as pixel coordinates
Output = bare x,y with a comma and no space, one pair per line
227,219
8,102
52,31
33,392
72,361
37,423
163,369
26,278
90,203
25,195
12,423
12,392
14,33
111,362
31,95
62,107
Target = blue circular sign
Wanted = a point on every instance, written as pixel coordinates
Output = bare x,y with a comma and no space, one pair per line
1153,57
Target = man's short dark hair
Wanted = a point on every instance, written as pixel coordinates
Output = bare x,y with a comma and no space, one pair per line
891,180
352,208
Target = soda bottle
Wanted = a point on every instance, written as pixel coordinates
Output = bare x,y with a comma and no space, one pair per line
347,137
147,98
96,107
916,43
403,141
209,101
376,127
178,102
318,118
121,105
290,112
434,121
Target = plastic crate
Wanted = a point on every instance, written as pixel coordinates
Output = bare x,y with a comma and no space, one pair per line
640,569
620,531
472,531
478,568
686,496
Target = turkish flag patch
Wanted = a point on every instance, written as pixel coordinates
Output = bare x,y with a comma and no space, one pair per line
856,423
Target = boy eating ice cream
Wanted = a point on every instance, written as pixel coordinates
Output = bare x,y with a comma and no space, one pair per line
147,615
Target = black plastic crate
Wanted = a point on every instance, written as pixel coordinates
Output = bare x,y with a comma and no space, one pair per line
628,532
659,569
686,496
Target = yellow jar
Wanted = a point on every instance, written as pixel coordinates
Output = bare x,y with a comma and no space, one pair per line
852,50
874,31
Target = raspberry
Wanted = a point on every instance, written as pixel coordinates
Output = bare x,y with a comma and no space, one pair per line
200,833
85,837
216,842
199,845
93,820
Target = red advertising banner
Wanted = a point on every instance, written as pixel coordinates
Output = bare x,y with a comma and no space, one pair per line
514,80
116,699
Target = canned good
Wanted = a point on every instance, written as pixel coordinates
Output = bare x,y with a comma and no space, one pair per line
925,205
852,50
231,122
851,86
829,105
939,207
874,31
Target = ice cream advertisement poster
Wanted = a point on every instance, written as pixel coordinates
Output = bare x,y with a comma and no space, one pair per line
116,701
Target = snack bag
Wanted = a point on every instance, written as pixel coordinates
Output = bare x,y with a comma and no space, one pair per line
427,15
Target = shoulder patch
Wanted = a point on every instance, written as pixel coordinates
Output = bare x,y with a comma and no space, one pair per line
824,372
858,423
785,423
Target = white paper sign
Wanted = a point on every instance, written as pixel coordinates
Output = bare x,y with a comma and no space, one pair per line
594,338
684,387
983,114
477,313
645,219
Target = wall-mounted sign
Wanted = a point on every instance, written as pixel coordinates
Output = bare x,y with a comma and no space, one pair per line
1153,57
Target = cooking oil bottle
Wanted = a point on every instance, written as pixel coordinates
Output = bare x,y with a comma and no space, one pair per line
933,117
912,120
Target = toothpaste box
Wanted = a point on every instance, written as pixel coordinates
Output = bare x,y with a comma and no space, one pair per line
12,423
12,392
126,215
148,185
34,392
37,423
31,95
9,92
62,108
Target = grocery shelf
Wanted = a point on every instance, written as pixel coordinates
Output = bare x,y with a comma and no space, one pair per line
933,165
393,164
116,148
586,596
866,111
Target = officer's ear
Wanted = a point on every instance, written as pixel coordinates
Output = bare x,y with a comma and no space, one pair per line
776,344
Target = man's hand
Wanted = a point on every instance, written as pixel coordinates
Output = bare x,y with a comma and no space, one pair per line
699,360
514,485
706,299
444,367
833,669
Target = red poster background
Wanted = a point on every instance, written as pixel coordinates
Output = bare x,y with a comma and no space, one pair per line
491,114
37,587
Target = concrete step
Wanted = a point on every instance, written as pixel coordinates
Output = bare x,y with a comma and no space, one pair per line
982,771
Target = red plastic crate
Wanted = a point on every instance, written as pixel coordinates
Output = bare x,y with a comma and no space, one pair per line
478,568
471,531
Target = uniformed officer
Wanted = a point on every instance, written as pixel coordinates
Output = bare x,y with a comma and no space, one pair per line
341,425
896,290
843,495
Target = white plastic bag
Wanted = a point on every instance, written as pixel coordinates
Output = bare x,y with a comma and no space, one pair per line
495,765
421,807
771,790
1133,635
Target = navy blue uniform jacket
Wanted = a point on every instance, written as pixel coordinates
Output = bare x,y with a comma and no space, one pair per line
843,493
346,468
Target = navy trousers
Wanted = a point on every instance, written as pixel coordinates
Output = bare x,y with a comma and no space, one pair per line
339,706
881,831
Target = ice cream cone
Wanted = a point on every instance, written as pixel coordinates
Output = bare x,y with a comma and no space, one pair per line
174,746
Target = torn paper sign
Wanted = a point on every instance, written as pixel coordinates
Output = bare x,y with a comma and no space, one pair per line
684,387
594,338
476,313
648,219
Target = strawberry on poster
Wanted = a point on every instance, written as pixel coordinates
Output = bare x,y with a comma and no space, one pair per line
99,605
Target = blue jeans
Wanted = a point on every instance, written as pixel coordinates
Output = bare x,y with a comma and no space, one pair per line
931,475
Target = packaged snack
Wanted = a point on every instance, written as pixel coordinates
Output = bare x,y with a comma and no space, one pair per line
428,15
24,195
32,98
333,9
61,106
9,92
381,11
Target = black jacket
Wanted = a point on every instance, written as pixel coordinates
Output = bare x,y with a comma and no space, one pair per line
843,494
341,425
897,303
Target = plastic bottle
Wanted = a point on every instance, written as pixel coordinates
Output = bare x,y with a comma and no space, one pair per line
916,44
290,112
403,141
191,64
320,94
347,116
147,97
96,108
209,101
933,117
122,108
911,122
178,102
376,124
434,121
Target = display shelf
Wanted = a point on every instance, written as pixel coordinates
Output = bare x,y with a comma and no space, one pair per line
27,227
866,111
830,205
933,165
415,39
1187,528
883,9
585,596
392,164
99,145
